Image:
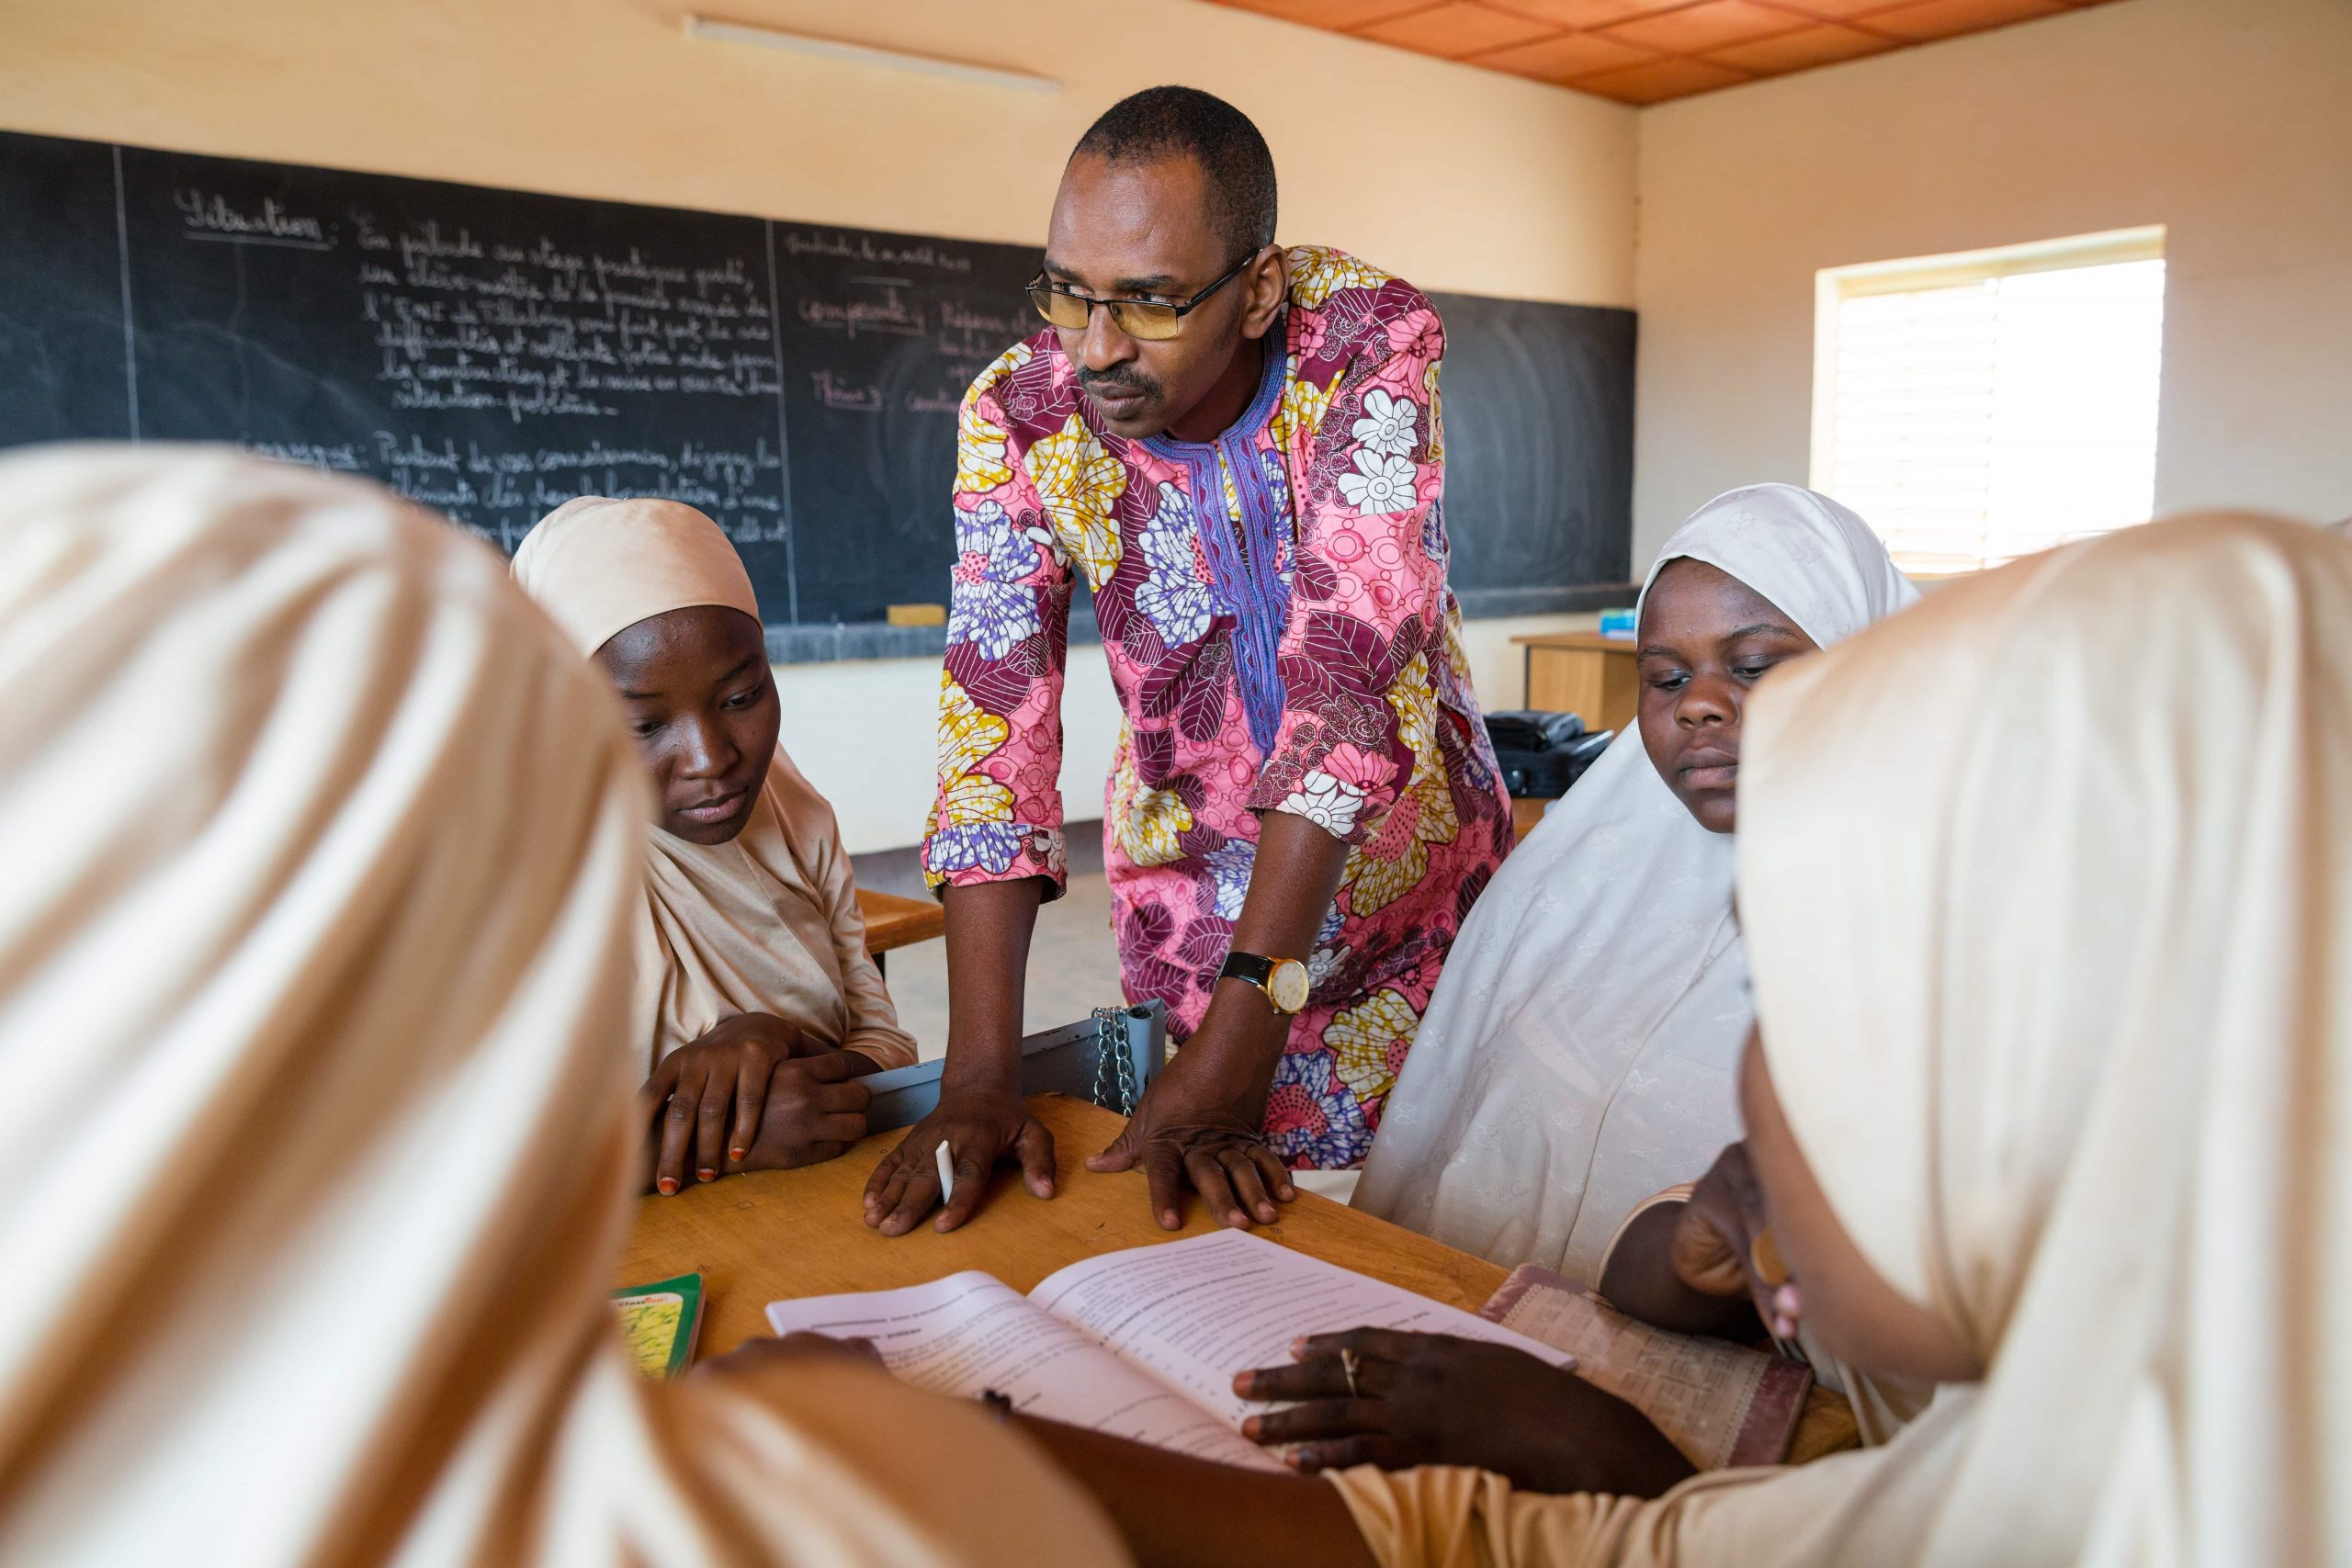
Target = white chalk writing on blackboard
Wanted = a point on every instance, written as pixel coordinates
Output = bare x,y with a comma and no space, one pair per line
210,216
534,330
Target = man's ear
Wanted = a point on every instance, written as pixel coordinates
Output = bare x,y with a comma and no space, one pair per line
1268,281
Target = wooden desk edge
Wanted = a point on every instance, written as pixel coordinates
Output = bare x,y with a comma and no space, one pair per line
894,921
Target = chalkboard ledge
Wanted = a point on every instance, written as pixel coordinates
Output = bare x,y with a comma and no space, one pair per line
1490,603
872,639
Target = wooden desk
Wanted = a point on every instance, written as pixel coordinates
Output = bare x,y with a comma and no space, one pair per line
1583,673
1524,815
893,922
774,1234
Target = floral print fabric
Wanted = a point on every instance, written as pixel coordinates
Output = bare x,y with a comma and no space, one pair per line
1377,736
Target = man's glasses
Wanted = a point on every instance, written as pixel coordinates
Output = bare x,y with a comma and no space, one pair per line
1147,321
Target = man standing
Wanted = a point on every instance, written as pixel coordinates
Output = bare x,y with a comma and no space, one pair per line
1239,447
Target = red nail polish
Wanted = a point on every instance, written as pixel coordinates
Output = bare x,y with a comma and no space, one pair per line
706,1174
735,1154
669,1185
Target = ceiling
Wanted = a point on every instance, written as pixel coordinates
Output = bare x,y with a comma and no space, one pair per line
1645,51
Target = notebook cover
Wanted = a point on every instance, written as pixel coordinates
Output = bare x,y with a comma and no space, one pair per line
1723,1405
660,1322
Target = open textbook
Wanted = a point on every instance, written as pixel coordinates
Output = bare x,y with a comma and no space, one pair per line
1141,1343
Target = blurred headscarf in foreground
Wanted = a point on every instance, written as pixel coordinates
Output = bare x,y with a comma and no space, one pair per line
2047,892
320,847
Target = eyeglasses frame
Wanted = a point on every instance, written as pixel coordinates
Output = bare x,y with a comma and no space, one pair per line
1041,283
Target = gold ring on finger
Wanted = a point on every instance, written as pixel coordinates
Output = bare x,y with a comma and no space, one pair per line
1348,1364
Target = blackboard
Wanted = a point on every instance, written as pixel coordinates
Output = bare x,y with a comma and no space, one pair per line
492,353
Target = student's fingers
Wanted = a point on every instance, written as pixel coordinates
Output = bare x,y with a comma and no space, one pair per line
836,1099
971,1185
1386,1343
752,1077
1248,1187
710,1123
1163,1174
1318,1419
1322,1377
1274,1172
677,1133
655,1094
1033,1147
833,1066
1207,1174
1346,1454
840,1127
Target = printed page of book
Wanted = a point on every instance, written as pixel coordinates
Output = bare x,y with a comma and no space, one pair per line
1723,1405
1196,1312
970,1332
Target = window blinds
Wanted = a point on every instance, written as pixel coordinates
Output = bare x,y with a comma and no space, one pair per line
1977,410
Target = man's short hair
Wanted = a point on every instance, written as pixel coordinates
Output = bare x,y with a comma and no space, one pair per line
1160,121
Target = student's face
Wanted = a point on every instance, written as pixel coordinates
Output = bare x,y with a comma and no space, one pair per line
1129,230
1853,1312
703,707
1705,639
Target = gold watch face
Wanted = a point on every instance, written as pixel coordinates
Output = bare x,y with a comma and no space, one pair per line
1287,986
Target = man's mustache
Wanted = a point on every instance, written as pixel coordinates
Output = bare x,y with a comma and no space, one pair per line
1125,377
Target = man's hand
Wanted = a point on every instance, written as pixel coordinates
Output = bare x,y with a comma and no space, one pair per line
1197,1125
709,1096
1435,1399
979,1126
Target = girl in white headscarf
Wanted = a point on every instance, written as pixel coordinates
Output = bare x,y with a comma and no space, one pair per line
322,850
1577,1055
756,1003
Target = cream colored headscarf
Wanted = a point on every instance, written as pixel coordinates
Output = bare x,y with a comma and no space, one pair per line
1577,1056
2048,895
319,845
768,922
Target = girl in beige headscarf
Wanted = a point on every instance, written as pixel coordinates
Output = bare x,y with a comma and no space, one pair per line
756,1003
322,847
2047,892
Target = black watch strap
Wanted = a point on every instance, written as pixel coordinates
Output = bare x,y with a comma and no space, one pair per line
1250,966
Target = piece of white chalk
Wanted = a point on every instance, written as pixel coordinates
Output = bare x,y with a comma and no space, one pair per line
946,1172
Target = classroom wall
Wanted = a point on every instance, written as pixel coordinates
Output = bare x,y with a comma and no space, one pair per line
1460,180
2226,120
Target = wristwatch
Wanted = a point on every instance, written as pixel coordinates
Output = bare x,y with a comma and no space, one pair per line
1283,980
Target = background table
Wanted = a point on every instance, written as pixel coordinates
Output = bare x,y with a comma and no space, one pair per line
1583,673
774,1234
893,921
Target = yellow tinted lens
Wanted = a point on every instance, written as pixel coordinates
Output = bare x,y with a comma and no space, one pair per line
1059,310
1149,323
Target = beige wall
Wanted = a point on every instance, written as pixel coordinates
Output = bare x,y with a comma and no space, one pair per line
1457,179
2227,120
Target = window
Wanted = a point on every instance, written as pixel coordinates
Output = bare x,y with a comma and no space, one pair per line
1980,406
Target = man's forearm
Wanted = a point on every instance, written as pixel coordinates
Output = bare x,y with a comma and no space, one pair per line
989,926
1292,883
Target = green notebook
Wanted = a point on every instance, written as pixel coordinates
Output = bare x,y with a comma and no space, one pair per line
659,1321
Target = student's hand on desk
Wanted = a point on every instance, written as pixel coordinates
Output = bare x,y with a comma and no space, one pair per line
1434,1399
815,1110
980,1126
1193,1126
712,1099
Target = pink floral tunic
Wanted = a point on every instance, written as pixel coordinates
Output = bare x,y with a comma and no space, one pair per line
1268,657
